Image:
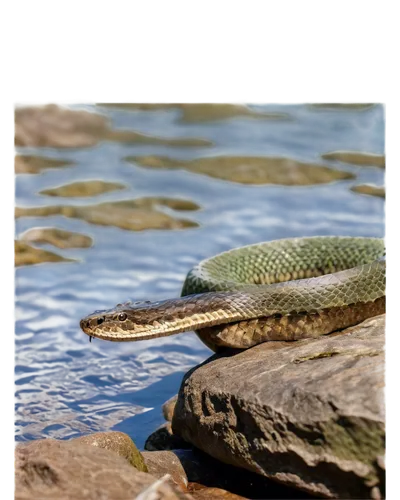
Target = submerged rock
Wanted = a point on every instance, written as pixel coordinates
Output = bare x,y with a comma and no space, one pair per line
369,189
57,237
309,414
26,255
58,127
81,189
249,170
35,164
203,112
67,470
356,158
133,215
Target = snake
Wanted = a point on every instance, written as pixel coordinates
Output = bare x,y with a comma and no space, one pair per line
287,289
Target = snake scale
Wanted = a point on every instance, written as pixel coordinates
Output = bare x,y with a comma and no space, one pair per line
285,289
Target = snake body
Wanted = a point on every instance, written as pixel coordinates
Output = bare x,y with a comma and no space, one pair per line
279,290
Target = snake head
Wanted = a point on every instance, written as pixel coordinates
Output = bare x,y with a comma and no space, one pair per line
125,322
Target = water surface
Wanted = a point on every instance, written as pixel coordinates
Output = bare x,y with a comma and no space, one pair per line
66,386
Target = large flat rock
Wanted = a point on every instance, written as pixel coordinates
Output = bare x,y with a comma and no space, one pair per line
309,414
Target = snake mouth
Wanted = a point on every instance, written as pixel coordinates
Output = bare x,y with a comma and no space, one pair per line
85,326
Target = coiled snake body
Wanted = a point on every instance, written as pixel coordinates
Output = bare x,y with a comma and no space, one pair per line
280,290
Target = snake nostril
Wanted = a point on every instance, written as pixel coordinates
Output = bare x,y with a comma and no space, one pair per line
100,320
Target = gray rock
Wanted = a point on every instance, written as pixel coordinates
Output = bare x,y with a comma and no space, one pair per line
65,470
309,414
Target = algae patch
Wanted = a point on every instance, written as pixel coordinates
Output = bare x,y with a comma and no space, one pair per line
82,189
133,215
28,255
29,164
57,237
356,158
249,170
207,112
370,190
344,106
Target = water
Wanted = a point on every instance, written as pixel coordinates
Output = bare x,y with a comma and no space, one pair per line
66,386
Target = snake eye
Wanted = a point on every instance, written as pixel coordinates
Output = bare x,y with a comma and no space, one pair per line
100,320
122,316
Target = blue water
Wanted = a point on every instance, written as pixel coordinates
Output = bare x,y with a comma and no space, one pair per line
66,386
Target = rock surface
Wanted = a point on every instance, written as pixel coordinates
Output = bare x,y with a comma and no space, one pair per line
133,215
117,442
81,189
57,237
27,255
159,463
309,414
370,190
356,158
35,164
249,170
65,470
204,112
58,127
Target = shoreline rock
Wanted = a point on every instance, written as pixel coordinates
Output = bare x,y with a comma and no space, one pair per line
309,414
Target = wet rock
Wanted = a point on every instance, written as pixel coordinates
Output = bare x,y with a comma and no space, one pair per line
133,215
249,170
309,414
168,408
160,463
65,470
26,255
117,442
58,127
35,164
369,189
81,189
57,237
356,158
164,439
344,106
204,112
